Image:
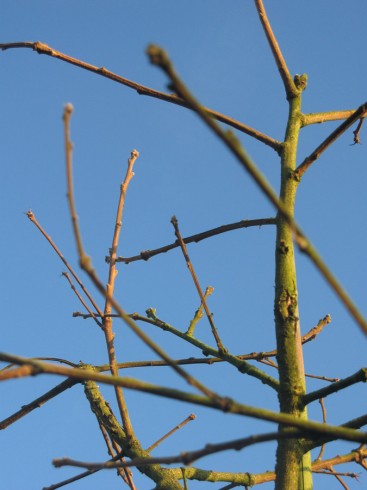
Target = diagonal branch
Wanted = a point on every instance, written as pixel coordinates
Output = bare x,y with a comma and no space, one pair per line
360,112
358,377
43,48
209,315
245,223
289,85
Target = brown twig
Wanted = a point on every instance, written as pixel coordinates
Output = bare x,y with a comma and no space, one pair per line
289,85
308,161
80,298
38,402
33,219
86,265
115,452
358,377
188,419
188,458
107,320
197,285
43,48
147,254
357,139
323,446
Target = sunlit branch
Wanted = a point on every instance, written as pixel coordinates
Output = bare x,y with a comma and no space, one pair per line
188,419
308,161
289,85
43,48
160,58
227,405
322,117
147,254
33,219
112,274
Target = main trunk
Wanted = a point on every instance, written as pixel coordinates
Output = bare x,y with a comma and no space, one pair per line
292,468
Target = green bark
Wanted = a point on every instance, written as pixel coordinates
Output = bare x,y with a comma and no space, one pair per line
164,478
292,468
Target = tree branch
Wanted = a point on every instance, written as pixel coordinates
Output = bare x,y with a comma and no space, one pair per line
308,161
359,377
289,85
43,48
147,254
228,405
160,58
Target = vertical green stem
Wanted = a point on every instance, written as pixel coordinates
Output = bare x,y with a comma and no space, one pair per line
292,467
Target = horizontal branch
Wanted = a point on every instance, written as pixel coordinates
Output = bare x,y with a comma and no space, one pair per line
224,404
198,474
43,48
245,223
322,117
308,161
359,377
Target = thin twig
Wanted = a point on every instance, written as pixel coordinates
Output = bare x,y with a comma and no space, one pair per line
80,298
323,446
43,48
199,313
188,419
147,254
308,161
86,265
358,377
356,132
33,219
114,450
197,285
38,402
289,85
160,58
107,320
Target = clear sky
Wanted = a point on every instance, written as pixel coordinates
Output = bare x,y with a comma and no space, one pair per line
220,51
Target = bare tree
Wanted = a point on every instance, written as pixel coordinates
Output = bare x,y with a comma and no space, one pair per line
280,369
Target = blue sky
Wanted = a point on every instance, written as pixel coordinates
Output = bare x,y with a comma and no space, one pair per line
220,51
